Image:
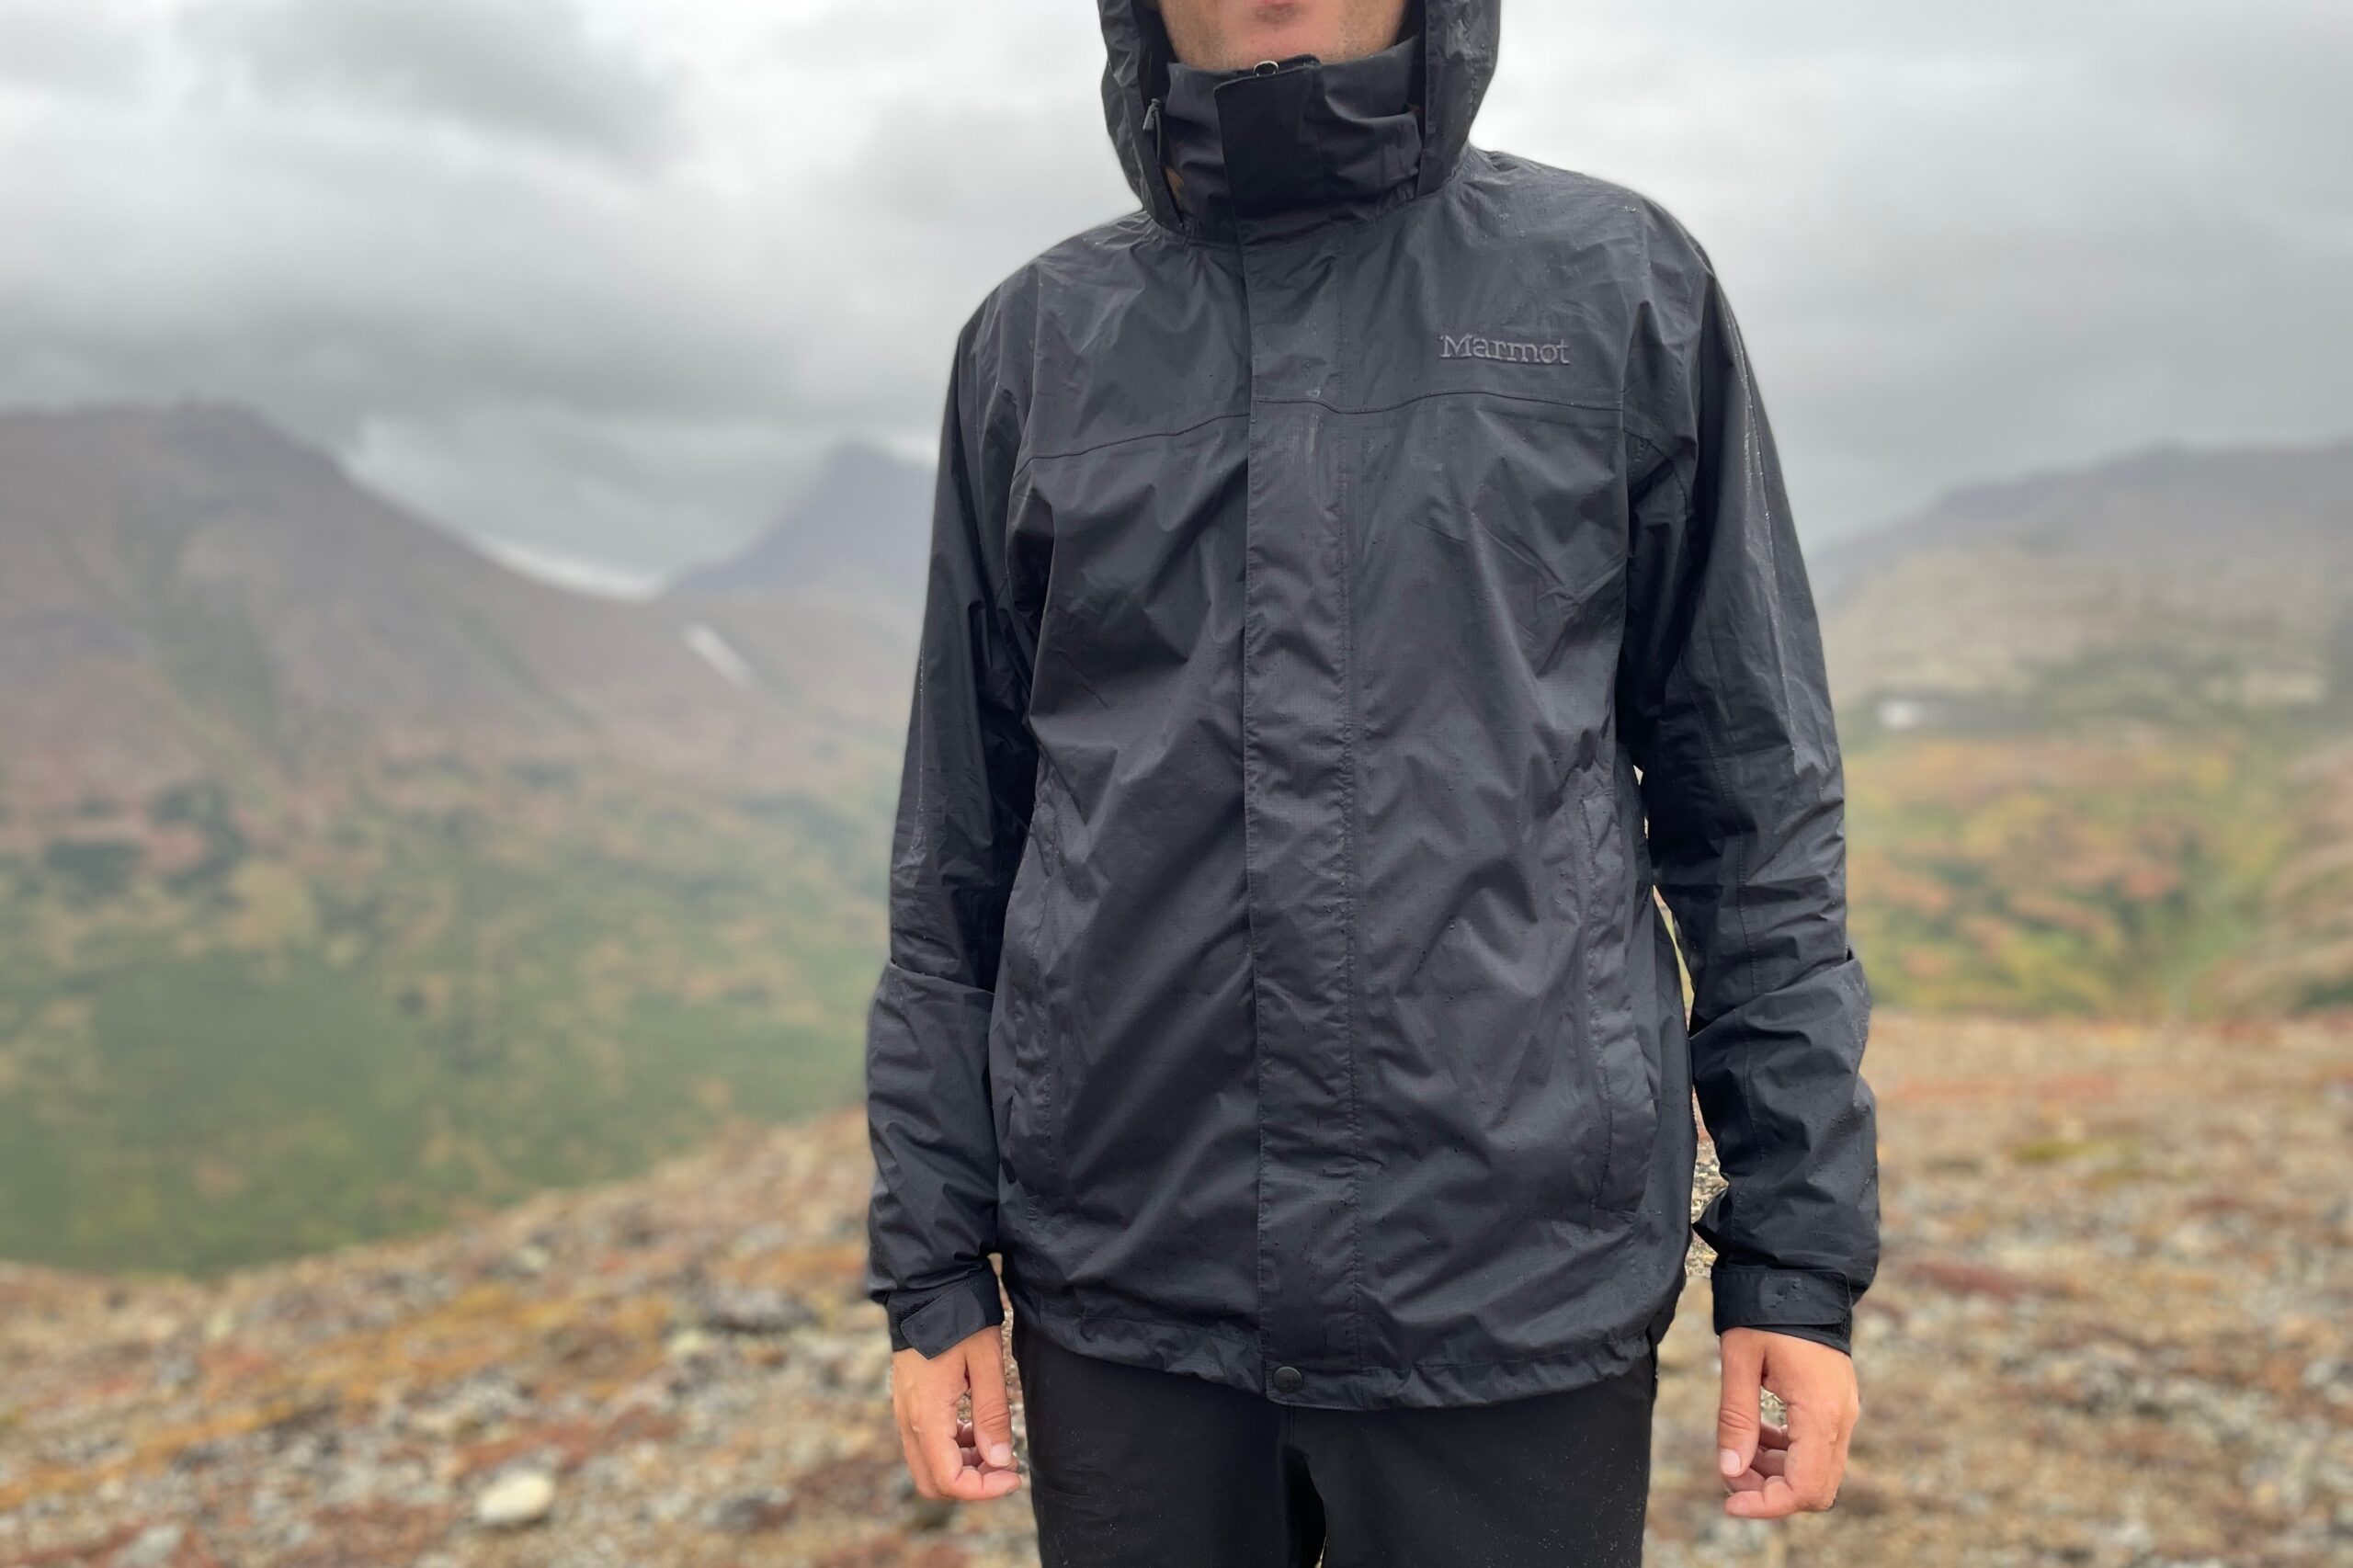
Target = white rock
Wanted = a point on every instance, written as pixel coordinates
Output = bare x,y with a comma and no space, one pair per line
156,1545
516,1500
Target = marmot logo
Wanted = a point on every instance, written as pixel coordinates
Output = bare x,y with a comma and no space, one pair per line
1470,347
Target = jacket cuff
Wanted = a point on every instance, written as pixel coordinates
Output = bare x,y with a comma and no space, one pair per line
930,1321
1812,1304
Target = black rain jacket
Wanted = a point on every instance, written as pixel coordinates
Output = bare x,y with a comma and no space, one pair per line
1360,576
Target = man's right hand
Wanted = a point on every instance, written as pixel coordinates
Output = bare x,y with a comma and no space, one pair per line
960,1461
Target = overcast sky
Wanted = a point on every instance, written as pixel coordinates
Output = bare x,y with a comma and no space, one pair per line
601,280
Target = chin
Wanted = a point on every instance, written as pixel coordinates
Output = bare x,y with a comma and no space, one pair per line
1276,29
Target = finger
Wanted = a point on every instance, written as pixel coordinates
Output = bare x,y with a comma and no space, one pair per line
1770,1435
1775,1499
958,1477
1769,1463
1737,1419
992,1421
968,1453
977,1484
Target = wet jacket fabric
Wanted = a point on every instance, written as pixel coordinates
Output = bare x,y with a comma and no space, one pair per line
1361,578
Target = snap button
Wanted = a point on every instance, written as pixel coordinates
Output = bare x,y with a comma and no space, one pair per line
1288,1379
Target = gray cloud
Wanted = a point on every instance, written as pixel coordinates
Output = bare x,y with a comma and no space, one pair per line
1965,241
93,46
529,68
603,279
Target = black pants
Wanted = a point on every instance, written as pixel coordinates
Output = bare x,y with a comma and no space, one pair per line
1132,1468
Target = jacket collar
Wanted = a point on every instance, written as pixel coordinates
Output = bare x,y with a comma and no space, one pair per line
1281,150
1290,143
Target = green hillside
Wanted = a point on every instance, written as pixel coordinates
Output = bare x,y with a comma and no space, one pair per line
472,985
2112,873
2140,832
351,881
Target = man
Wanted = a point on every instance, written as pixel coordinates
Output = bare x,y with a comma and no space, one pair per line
1362,577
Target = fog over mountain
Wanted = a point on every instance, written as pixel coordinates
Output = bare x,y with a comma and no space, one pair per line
864,525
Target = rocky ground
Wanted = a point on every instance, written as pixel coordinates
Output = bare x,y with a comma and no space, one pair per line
2114,1328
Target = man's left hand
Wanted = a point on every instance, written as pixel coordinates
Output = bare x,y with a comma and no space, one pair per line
1774,1471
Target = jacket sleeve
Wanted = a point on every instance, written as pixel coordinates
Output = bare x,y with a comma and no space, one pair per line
962,817
1724,702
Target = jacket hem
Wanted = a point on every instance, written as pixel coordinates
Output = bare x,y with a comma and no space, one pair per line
1232,1357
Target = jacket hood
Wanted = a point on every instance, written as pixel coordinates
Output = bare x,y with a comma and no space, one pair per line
1303,136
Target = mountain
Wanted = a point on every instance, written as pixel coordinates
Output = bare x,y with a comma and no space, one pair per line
351,879
2100,738
2222,576
853,552
186,591
2169,502
863,526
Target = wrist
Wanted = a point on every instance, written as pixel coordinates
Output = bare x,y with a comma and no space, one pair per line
1821,1334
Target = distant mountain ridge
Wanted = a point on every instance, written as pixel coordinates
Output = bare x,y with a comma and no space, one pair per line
2228,570
2176,501
864,525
